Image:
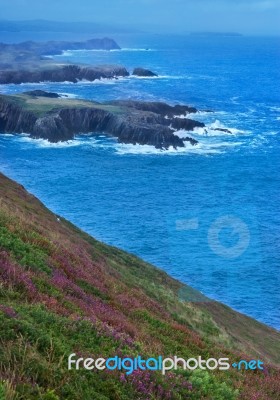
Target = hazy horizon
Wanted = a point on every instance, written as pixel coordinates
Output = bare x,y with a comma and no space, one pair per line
249,17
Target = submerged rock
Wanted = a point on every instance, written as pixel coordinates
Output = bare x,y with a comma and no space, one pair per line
222,130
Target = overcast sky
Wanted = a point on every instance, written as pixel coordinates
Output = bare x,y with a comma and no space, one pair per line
244,16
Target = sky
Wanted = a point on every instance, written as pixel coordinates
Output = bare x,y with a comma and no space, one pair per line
163,16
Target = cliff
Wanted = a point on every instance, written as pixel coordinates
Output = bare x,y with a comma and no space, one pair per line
57,119
61,291
69,73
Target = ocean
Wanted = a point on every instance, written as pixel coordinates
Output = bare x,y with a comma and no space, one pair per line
209,214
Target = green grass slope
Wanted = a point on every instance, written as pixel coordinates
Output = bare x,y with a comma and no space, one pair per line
63,292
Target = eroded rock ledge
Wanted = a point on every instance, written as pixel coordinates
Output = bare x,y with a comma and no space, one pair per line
59,119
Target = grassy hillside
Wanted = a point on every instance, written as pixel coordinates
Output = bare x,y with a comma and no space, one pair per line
63,292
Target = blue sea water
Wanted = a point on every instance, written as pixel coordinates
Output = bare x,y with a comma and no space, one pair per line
208,215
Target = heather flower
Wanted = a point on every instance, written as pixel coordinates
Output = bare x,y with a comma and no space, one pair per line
14,275
8,311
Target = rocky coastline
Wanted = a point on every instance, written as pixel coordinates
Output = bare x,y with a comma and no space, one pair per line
46,116
32,55
66,73
32,62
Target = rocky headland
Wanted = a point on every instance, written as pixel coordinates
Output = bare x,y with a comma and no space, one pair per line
57,47
48,116
31,54
32,62
65,73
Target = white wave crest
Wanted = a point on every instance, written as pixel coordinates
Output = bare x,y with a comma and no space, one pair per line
69,53
41,83
206,146
200,149
43,143
274,108
112,80
134,49
216,128
158,77
103,81
219,125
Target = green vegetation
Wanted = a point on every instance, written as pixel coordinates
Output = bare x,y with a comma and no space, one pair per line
63,292
39,106
27,253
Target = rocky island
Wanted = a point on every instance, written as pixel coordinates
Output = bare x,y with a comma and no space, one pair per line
48,116
143,72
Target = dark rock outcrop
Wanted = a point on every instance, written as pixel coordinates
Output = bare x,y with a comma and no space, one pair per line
42,93
225,130
131,122
70,73
186,124
156,107
143,72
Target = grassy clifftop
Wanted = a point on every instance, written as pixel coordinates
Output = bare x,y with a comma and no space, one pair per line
63,292
39,106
